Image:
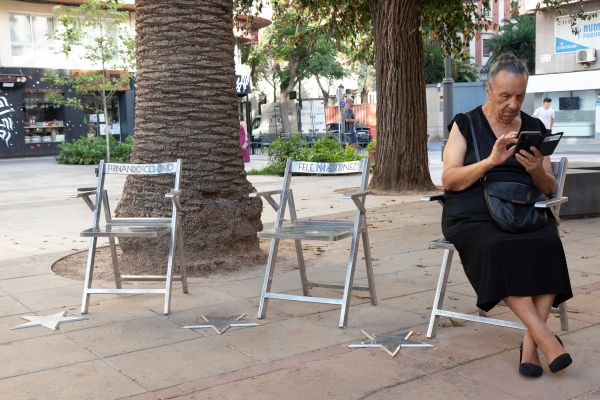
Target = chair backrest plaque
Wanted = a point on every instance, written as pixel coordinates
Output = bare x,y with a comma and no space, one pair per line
348,167
131,169
141,169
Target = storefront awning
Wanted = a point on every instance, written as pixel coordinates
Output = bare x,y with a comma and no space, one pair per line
583,80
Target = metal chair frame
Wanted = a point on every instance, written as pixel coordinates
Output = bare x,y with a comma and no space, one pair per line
559,169
320,230
133,227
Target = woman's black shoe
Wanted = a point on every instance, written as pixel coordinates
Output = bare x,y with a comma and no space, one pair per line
528,369
561,362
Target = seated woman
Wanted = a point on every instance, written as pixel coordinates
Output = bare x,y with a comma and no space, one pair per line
526,270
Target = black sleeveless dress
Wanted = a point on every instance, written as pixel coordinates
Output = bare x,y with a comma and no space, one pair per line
500,264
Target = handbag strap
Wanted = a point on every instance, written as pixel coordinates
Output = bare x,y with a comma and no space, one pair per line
475,146
468,114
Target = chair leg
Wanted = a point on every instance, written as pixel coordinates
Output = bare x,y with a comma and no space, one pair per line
438,302
349,281
264,302
564,320
169,280
89,273
182,270
369,266
115,262
301,267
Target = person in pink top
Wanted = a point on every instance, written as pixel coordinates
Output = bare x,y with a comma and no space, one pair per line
244,145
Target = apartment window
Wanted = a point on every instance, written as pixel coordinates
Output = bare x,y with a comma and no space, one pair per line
487,11
31,34
485,47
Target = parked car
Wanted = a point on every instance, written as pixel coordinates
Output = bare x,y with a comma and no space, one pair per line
363,132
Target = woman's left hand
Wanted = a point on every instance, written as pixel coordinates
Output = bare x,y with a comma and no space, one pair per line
532,162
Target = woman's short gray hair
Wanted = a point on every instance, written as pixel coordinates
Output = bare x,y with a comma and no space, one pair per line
509,63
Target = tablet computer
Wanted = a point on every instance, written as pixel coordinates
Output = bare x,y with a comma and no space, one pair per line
545,144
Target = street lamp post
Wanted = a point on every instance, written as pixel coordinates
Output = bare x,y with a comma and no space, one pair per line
483,74
339,95
448,95
448,100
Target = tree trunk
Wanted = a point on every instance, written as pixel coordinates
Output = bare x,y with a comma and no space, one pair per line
186,108
364,93
401,157
324,91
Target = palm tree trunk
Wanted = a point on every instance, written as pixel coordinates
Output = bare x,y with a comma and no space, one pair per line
401,103
186,107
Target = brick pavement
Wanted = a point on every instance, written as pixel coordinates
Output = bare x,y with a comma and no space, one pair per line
127,348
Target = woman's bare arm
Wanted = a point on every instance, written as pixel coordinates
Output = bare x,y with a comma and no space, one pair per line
456,176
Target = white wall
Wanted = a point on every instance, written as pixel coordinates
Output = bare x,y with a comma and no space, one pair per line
435,117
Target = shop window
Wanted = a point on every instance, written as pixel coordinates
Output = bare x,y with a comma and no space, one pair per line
43,121
96,123
31,34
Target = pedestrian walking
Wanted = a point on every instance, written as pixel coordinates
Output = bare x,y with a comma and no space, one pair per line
349,121
545,114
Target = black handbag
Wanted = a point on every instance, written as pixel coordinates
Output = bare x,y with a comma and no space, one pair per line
512,204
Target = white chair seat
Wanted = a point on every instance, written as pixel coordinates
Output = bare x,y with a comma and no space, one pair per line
126,231
327,231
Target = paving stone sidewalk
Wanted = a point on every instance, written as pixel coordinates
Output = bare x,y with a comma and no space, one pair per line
129,349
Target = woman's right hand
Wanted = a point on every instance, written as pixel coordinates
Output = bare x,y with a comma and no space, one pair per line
499,153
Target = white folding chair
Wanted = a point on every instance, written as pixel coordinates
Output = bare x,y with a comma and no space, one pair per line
310,229
133,227
559,169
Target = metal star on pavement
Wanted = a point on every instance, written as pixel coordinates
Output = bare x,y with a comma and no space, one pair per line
390,343
50,321
220,325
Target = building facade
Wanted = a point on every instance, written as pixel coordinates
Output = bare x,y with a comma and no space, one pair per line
567,68
30,125
478,48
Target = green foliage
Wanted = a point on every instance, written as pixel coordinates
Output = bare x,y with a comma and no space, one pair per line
88,151
517,39
461,70
269,169
371,147
451,22
326,149
280,150
290,50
